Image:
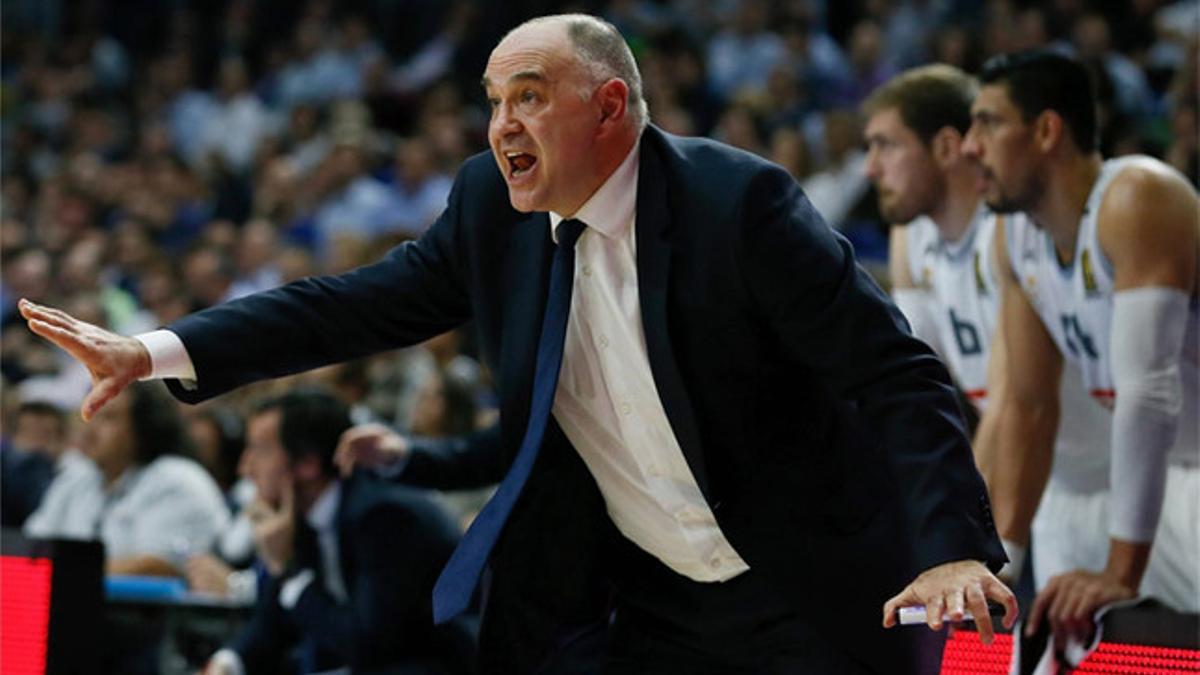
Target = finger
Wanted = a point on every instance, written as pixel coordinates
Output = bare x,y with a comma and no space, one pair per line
955,605
977,603
904,598
104,391
342,456
933,611
1000,592
60,335
56,317
1040,603
287,498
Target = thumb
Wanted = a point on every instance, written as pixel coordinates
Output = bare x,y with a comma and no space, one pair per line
902,599
103,390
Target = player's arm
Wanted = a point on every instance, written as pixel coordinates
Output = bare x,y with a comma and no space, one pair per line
985,441
1149,228
915,301
1019,425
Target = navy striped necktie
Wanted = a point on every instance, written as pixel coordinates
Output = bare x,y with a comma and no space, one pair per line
453,590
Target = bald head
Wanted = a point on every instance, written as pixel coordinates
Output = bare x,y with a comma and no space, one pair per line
597,47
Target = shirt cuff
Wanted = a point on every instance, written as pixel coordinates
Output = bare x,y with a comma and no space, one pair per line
227,662
168,357
289,595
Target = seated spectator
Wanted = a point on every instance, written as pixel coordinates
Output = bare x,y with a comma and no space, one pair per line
147,504
350,564
28,460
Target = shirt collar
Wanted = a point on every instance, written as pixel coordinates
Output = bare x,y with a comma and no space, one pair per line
610,209
321,514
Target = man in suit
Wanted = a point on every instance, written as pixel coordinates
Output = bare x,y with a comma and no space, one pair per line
349,563
745,452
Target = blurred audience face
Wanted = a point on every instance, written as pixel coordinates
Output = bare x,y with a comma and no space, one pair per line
264,460
1003,143
901,167
543,130
429,409
108,440
41,429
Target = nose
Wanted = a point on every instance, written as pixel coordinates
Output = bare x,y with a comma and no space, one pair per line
971,147
871,168
504,123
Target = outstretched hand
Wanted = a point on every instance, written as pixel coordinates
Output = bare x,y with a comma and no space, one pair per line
952,589
114,361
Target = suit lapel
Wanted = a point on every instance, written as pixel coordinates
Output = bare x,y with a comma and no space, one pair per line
653,265
526,286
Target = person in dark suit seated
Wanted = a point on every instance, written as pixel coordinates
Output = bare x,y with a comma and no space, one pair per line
349,564
28,460
723,447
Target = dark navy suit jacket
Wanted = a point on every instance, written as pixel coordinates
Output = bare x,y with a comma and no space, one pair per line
393,542
825,437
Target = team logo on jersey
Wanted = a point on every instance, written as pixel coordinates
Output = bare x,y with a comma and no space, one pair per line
980,283
927,276
1031,289
1089,275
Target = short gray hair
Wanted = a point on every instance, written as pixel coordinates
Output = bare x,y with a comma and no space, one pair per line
602,50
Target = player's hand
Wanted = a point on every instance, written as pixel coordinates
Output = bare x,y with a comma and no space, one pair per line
274,529
954,588
1070,600
208,574
370,446
113,360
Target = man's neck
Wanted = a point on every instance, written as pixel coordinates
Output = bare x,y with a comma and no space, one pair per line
955,212
1064,200
307,494
609,158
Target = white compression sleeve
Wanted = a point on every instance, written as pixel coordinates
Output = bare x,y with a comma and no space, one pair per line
1147,338
917,306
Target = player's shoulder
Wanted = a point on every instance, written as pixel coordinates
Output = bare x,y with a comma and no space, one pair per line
1137,181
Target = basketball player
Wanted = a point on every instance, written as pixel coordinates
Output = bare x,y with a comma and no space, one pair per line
944,279
1102,274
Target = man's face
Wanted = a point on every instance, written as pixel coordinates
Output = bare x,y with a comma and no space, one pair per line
542,130
1003,143
108,440
264,461
901,167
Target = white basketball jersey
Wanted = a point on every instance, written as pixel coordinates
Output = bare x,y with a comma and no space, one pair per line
1075,302
966,300
960,278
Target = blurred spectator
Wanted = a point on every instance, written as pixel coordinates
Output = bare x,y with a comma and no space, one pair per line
237,122
149,505
420,189
257,252
29,460
208,274
835,189
742,56
350,563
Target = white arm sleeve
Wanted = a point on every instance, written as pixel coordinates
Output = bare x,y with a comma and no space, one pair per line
1147,338
227,662
917,306
168,356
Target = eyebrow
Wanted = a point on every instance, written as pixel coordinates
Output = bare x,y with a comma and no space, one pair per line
521,76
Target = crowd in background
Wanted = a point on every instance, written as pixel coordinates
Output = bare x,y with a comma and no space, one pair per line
162,157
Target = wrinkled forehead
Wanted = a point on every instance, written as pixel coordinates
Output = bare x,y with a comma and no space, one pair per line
535,52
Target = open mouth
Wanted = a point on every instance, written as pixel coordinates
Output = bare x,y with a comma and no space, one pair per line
519,163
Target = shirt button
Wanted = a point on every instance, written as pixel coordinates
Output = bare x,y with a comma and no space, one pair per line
653,470
715,563
626,408
602,341
587,270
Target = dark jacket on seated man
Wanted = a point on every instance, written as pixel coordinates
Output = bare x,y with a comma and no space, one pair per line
387,544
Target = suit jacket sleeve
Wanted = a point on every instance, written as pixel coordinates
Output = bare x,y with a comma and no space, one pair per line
461,463
417,291
830,316
264,640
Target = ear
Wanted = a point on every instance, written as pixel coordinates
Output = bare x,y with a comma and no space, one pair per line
946,147
1048,130
613,96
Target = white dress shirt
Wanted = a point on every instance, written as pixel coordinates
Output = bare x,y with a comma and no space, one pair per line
170,508
606,401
